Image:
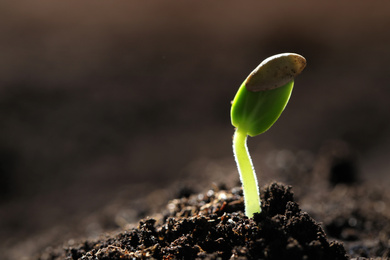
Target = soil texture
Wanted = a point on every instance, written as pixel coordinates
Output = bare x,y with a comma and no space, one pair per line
213,226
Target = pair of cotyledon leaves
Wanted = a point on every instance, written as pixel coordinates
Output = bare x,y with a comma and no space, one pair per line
264,94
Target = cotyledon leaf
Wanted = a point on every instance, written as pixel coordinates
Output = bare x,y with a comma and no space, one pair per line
255,111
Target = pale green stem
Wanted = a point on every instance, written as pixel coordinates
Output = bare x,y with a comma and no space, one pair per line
247,173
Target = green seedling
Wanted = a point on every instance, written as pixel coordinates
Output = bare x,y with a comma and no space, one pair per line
257,105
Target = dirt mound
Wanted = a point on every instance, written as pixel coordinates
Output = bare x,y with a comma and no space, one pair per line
212,226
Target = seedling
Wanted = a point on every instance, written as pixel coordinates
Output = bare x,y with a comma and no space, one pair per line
257,105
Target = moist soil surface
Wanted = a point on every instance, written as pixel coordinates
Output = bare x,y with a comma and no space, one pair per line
213,226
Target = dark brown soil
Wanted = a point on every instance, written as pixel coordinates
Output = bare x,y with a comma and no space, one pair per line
213,226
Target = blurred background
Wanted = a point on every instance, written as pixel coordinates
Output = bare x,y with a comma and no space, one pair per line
111,106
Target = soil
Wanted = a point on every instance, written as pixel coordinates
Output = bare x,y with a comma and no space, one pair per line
213,226
327,211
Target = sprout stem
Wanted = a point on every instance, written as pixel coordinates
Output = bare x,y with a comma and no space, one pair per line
247,173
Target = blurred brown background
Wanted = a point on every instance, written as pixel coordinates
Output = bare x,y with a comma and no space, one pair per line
103,103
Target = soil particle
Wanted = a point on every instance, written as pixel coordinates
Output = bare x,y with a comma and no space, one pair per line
213,226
